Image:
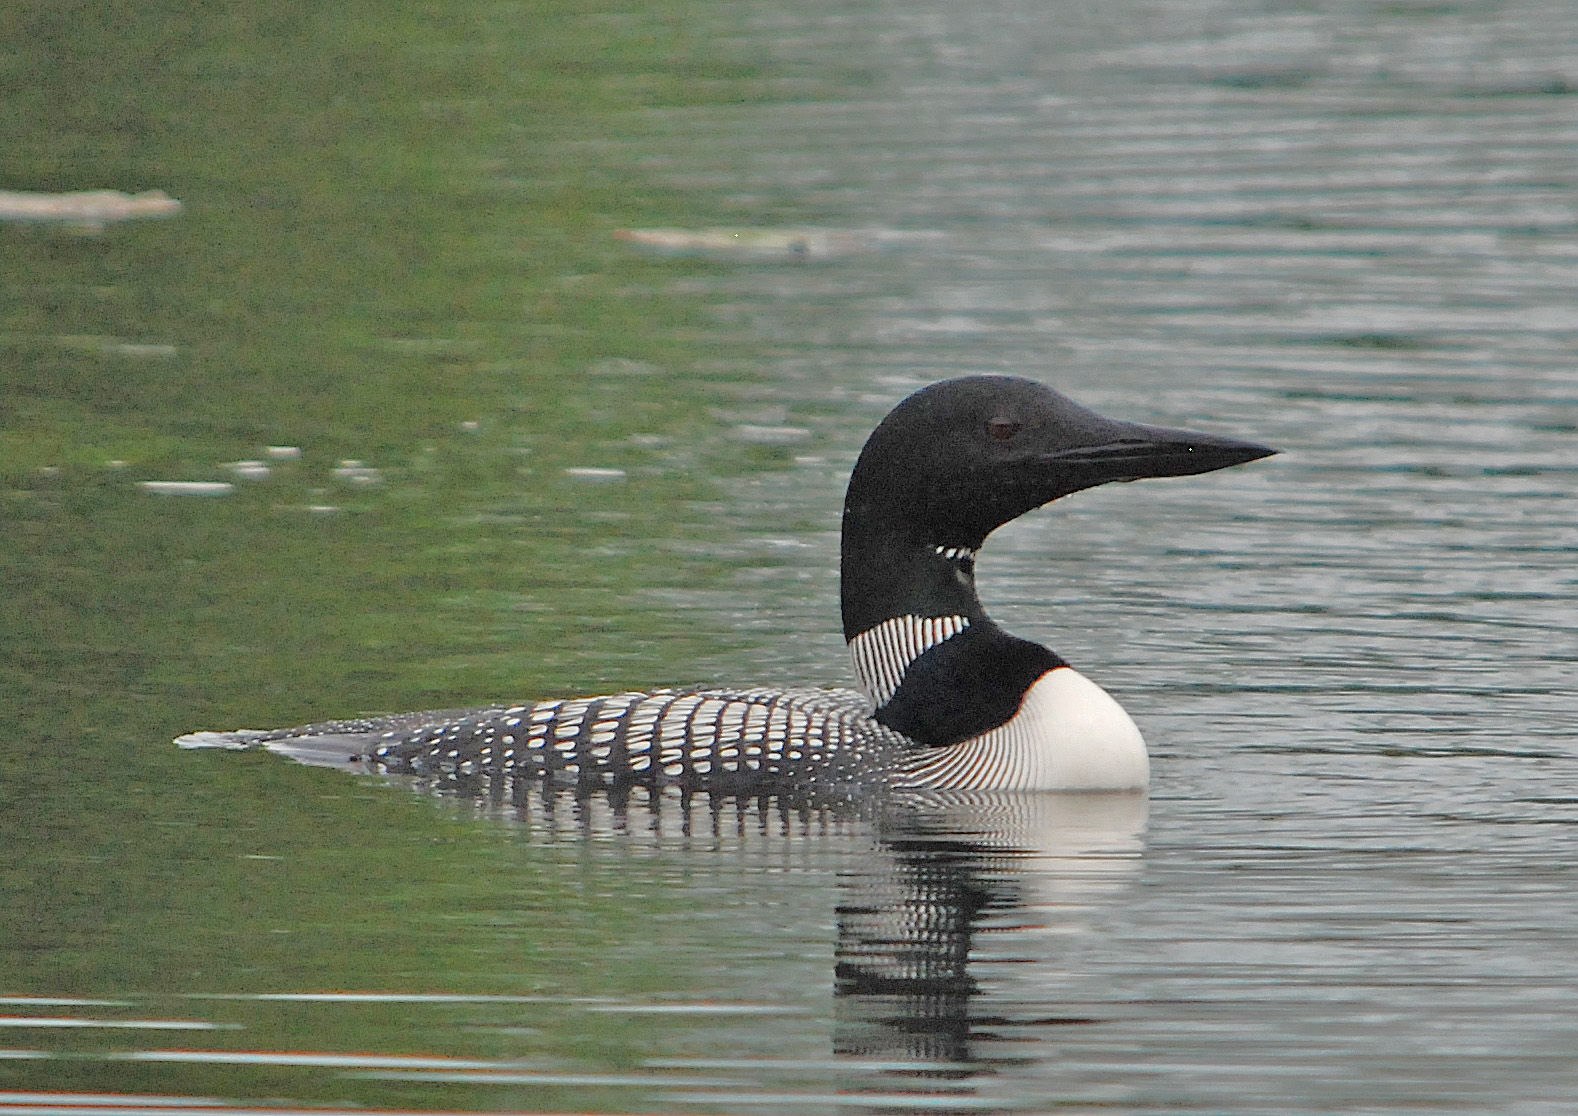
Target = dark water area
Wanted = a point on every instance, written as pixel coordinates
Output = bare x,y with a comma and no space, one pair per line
567,323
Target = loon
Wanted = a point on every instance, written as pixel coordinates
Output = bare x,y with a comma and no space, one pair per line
948,701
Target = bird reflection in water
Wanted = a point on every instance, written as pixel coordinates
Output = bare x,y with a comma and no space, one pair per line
915,991
1020,867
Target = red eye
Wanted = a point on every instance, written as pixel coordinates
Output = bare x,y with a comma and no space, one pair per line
1003,429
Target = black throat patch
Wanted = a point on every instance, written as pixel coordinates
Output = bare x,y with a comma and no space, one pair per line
966,685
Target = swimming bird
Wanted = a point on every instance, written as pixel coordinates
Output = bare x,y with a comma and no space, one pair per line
947,699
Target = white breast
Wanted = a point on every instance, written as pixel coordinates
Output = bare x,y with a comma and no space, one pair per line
1068,735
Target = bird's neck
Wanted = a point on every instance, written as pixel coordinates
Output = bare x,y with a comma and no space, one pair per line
934,665
889,573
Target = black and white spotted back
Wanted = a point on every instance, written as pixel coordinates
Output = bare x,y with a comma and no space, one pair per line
726,741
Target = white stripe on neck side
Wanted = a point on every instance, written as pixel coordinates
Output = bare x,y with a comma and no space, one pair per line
882,654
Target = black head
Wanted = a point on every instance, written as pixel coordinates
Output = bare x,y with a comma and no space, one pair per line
960,458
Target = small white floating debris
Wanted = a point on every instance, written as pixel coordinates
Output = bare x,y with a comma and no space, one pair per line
470,426
356,472
247,470
623,366
88,210
282,453
188,488
770,435
424,345
115,346
594,474
749,244
116,463
138,350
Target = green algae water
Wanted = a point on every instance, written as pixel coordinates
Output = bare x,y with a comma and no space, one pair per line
391,264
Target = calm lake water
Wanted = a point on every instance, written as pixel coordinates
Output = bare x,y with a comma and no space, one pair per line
584,462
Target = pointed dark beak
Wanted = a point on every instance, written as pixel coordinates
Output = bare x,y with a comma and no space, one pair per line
1127,451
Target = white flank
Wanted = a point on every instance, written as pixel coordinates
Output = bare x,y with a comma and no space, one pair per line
1069,735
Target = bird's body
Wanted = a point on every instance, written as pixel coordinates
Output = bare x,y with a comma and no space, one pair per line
948,701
